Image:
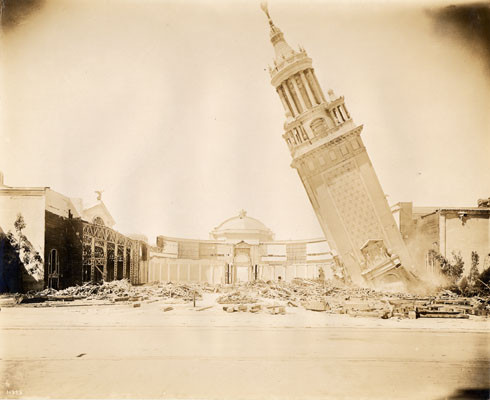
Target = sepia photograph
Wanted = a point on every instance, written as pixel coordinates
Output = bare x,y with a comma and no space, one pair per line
245,199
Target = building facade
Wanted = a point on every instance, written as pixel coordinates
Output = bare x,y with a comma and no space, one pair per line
447,231
332,162
51,240
241,249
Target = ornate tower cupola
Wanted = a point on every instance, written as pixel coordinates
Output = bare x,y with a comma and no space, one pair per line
334,167
309,115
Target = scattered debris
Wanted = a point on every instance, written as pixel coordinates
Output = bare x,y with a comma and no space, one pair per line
255,308
116,291
204,308
236,297
315,295
316,305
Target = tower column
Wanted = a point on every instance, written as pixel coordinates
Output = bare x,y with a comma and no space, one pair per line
314,83
335,115
344,109
341,114
318,85
298,93
307,88
290,98
283,100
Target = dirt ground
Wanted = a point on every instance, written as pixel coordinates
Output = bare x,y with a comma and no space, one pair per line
75,350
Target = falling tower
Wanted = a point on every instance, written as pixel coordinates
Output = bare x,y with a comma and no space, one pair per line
335,169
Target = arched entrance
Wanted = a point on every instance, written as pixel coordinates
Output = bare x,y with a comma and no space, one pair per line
242,263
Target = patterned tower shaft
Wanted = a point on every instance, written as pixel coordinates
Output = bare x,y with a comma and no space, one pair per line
335,169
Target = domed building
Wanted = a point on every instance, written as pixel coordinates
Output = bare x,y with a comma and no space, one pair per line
242,228
240,249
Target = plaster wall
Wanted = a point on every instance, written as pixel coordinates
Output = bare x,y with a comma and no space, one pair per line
32,208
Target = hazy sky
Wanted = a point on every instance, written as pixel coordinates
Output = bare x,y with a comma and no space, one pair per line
167,107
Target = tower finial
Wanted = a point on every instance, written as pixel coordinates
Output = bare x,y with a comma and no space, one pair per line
265,9
99,194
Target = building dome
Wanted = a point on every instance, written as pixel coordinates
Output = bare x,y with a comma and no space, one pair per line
242,228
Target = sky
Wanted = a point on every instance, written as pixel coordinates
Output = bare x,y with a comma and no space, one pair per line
167,106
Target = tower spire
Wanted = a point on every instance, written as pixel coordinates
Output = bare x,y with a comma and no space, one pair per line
281,47
265,9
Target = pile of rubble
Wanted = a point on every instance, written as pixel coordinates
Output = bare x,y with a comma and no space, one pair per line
236,297
337,298
117,291
315,295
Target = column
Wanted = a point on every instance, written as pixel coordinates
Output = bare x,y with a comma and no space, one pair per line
304,133
160,267
344,108
298,92
92,260
124,262
336,117
283,100
200,272
104,270
131,263
315,88
317,85
297,103
188,272
115,260
342,111
307,88
290,98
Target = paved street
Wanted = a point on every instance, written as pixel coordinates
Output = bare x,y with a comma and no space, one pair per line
239,362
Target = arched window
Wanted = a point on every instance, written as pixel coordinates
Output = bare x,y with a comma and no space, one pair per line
98,221
319,126
53,262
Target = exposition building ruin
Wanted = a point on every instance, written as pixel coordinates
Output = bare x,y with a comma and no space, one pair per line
51,240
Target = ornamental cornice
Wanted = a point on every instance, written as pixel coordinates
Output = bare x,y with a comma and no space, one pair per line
328,137
337,102
290,66
319,109
332,142
24,191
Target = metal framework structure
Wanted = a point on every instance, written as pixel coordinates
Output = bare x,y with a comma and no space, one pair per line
96,239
